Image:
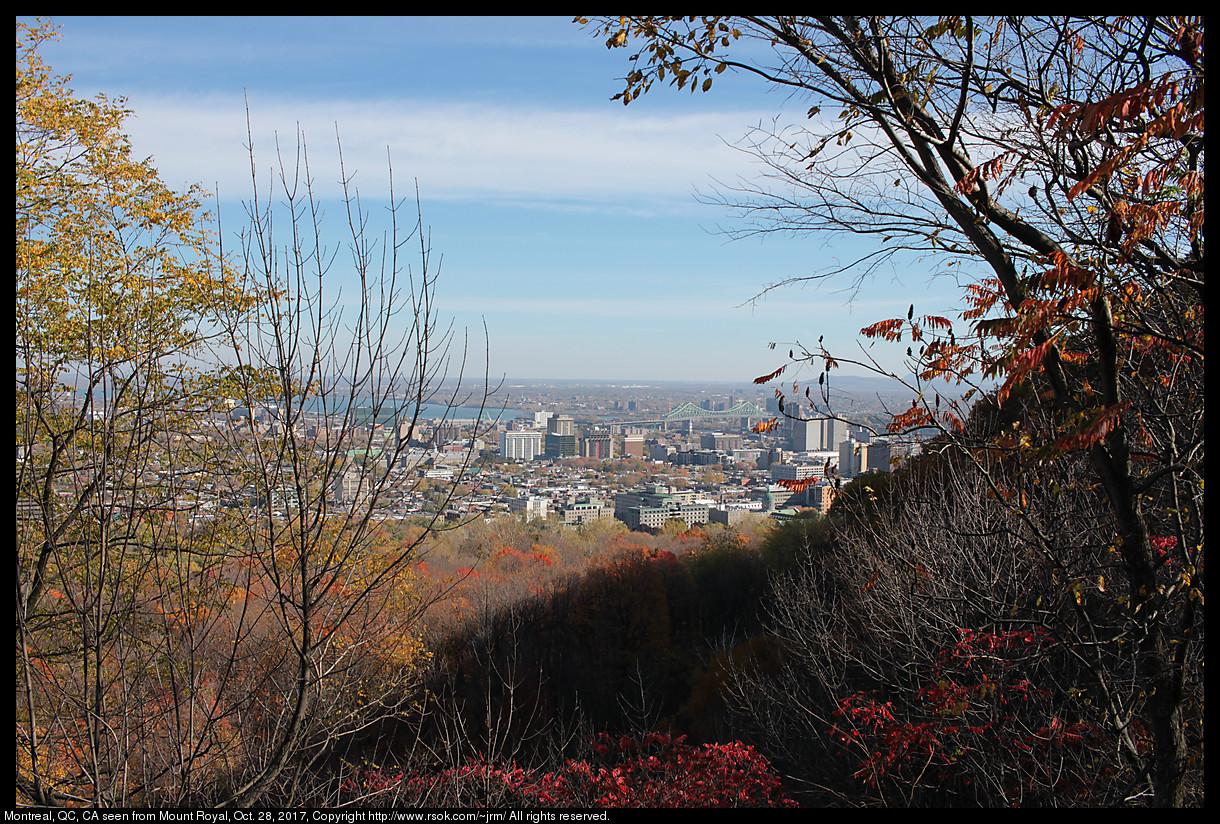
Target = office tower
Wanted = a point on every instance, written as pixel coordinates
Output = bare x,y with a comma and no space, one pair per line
807,436
633,446
561,425
834,432
598,445
520,446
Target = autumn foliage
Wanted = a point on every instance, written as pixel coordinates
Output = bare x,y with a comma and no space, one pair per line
653,770
1055,167
987,703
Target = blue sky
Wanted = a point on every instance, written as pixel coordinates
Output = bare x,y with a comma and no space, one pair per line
566,223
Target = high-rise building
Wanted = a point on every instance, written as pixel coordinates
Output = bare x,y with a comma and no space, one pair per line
853,457
597,445
817,435
822,496
856,457
560,446
561,425
878,457
834,432
520,446
584,510
351,485
720,441
533,506
446,431
794,472
633,446
807,436
651,508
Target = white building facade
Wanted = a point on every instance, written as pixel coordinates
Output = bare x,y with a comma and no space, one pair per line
520,446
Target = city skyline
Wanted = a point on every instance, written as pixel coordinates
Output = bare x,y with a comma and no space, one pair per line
569,225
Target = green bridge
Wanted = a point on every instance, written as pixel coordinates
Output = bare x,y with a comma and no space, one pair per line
690,412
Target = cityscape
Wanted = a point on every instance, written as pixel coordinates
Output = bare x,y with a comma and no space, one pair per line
565,450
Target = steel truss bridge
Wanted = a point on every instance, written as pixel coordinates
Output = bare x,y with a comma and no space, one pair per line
689,412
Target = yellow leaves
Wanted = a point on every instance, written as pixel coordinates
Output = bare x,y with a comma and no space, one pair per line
110,262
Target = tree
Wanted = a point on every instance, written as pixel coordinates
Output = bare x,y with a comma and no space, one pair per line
205,606
1056,164
916,665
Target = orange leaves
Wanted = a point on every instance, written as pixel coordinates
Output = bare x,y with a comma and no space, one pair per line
1141,112
876,577
1125,107
765,426
952,421
982,297
1065,275
890,330
510,560
796,485
913,418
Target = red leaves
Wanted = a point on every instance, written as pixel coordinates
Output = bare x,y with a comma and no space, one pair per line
772,376
952,421
1141,111
913,418
653,770
1022,365
966,719
1125,107
1162,547
1095,429
510,559
1066,276
796,485
991,170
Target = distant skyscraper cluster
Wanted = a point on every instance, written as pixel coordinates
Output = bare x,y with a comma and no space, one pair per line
818,435
856,457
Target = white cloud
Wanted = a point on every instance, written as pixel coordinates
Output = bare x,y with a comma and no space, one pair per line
456,150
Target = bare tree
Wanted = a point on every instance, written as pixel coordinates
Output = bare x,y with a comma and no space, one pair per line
206,607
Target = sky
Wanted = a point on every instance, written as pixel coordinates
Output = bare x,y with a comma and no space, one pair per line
574,230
